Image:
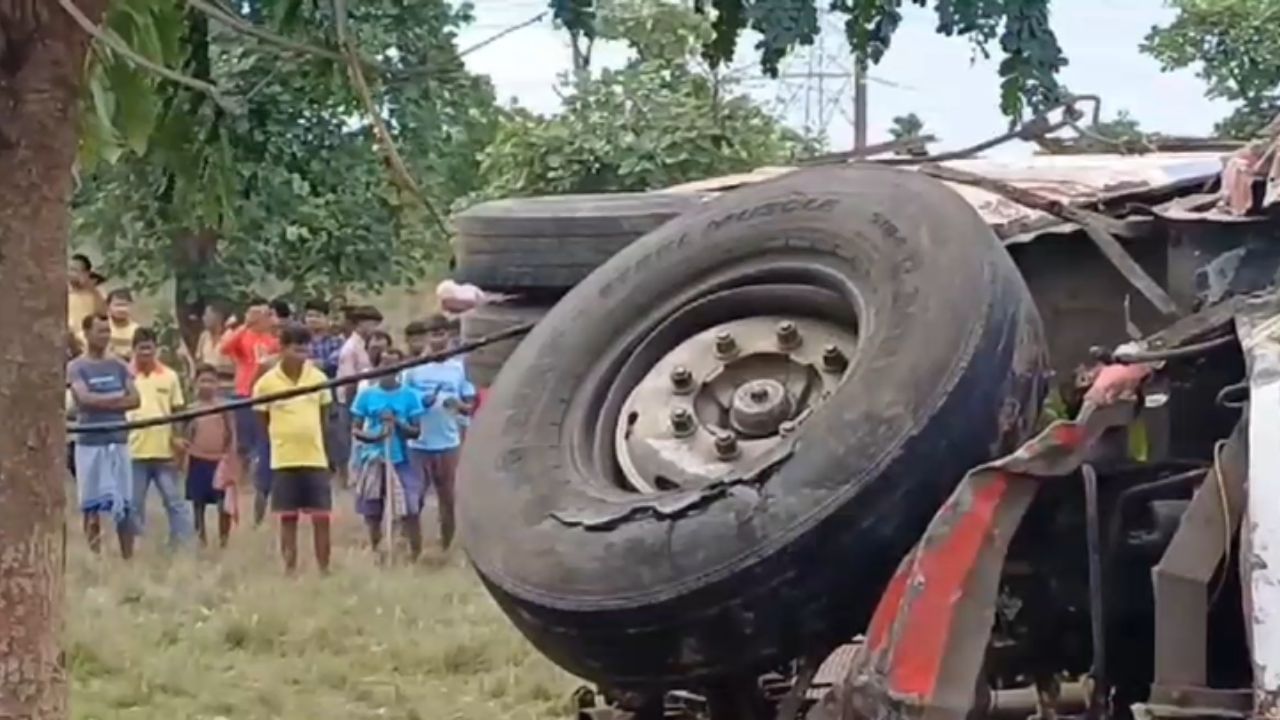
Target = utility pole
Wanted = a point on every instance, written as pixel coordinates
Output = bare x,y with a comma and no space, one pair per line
859,105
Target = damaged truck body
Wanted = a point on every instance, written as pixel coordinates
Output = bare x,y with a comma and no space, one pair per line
821,445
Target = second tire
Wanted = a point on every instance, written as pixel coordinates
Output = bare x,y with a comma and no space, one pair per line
552,243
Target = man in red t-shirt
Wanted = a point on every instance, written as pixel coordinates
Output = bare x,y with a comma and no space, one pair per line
253,348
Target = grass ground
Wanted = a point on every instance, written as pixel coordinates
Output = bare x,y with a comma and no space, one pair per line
223,635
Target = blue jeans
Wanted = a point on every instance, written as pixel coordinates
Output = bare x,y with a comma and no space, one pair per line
164,474
254,444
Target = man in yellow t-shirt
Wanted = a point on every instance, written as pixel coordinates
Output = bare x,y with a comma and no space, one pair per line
120,310
296,431
151,450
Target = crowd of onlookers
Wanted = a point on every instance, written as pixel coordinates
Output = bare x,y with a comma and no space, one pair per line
390,439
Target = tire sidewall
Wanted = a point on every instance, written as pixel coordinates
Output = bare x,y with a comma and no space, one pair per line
927,279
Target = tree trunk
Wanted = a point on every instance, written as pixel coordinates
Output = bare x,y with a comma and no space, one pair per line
194,253
42,55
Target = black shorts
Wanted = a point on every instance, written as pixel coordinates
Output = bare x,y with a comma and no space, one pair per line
301,490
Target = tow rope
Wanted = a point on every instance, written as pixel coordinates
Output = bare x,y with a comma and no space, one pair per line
186,415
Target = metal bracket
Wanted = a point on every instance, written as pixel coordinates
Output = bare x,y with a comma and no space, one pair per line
1181,579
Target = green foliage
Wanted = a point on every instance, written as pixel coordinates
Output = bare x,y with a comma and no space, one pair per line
1235,48
906,127
654,123
289,187
1121,134
1032,56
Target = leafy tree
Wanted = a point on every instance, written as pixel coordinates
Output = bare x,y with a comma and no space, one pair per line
1032,56
906,127
184,145
658,121
909,127
276,173
1236,50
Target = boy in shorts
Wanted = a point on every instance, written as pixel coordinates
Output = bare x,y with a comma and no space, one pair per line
295,429
385,415
211,441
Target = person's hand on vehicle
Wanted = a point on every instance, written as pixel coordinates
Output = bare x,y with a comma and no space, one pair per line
1117,382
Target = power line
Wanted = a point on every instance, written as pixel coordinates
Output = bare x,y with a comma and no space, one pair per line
503,33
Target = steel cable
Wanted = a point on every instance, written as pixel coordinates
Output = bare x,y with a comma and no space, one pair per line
185,415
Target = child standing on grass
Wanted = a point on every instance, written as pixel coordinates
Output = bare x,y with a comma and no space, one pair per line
384,416
296,430
211,443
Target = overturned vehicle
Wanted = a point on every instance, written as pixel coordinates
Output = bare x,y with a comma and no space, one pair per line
965,438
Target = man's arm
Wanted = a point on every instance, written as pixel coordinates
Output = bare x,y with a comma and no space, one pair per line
82,395
131,399
178,402
411,426
230,345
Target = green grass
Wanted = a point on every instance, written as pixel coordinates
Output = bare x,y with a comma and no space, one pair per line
225,635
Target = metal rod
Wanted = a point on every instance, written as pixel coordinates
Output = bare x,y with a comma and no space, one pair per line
859,106
1097,610
1018,703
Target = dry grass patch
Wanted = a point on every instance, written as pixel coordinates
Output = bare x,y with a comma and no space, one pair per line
224,635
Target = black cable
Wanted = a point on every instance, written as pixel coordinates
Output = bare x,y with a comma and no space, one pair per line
378,372
1182,351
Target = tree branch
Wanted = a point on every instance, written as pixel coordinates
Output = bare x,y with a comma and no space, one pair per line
115,44
399,171
245,27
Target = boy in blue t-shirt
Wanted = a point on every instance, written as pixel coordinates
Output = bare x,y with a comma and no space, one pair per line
447,396
383,416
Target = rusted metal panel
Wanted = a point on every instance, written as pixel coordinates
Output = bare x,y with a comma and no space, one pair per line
926,641
1078,180
1181,579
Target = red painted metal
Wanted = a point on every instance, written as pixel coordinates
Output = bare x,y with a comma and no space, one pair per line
926,641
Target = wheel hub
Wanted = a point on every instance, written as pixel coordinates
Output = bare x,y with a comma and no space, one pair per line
759,407
724,400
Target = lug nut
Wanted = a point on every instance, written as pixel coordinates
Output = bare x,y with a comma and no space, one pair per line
726,446
833,360
725,344
681,379
788,335
759,394
682,422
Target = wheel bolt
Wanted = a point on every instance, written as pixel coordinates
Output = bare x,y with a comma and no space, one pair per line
726,446
834,360
759,394
725,344
788,335
682,422
681,379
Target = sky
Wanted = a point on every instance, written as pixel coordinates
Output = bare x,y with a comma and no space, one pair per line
933,76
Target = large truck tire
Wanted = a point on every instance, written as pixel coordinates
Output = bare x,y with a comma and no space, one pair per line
554,242
783,551
483,364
